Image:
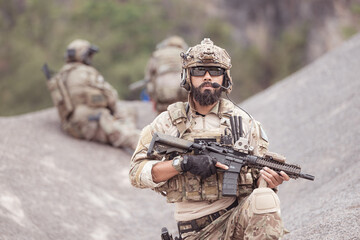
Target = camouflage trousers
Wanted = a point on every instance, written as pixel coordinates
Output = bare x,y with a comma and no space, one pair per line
242,222
98,124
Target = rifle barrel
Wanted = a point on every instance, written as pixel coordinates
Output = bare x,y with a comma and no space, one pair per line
307,176
46,71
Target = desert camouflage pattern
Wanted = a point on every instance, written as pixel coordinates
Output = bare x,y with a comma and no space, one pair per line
163,74
205,54
243,222
196,189
210,189
87,106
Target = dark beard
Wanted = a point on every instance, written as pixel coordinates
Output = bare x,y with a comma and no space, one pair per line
207,97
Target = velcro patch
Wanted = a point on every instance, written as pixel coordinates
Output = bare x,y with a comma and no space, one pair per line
264,200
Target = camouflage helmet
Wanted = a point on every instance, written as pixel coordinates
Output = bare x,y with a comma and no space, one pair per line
174,41
80,51
206,54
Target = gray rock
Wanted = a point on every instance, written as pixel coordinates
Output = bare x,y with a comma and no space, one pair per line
313,117
56,187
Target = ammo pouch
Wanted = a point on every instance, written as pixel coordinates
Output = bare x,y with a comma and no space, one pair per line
189,187
95,98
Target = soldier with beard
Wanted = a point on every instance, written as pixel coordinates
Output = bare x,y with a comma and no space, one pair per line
194,182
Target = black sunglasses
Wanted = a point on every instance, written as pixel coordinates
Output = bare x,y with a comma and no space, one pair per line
201,71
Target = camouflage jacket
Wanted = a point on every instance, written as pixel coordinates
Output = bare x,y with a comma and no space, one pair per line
177,121
79,84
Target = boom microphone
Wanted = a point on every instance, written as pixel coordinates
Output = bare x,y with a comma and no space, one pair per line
216,85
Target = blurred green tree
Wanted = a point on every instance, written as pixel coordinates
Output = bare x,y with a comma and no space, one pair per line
127,31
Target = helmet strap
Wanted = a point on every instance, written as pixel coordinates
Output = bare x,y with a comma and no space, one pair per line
185,82
227,83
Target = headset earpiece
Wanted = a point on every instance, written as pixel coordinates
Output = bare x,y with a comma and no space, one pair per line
183,83
226,81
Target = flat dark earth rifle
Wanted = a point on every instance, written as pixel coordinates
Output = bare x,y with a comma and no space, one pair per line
234,157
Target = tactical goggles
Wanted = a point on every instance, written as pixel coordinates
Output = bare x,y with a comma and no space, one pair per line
201,71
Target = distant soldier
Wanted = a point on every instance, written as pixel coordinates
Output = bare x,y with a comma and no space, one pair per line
162,73
86,103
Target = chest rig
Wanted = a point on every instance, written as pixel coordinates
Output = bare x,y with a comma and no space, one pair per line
86,87
190,187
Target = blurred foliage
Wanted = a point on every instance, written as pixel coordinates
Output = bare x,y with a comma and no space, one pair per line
355,8
348,31
126,31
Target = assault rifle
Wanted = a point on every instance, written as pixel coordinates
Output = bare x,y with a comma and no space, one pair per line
138,85
46,71
234,156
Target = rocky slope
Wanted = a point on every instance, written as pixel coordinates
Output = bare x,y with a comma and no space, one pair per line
313,117
56,187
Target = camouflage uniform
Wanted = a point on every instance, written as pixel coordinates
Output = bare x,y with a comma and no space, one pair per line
197,200
163,72
86,103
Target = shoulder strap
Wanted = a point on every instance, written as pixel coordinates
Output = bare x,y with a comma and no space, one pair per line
62,85
178,115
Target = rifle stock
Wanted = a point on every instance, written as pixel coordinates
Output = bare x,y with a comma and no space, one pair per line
166,144
235,160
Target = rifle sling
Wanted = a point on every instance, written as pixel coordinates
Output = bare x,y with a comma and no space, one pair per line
202,222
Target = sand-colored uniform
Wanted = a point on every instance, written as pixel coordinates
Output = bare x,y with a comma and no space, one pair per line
87,106
257,215
163,73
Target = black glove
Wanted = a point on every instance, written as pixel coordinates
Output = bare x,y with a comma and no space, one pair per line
201,165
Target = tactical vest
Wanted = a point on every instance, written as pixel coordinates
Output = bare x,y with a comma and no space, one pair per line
164,85
167,60
188,186
68,93
86,87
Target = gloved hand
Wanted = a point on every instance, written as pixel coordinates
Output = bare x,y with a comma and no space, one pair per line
201,165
